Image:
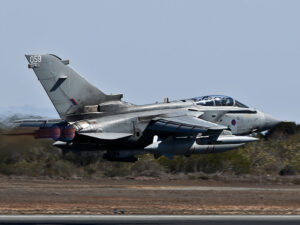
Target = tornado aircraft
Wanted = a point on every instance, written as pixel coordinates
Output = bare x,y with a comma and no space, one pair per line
91,120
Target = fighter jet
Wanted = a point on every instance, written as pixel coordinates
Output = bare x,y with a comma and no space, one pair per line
91,120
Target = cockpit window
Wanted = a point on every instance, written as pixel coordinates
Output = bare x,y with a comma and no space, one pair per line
206,100
239,104
218,100
227,101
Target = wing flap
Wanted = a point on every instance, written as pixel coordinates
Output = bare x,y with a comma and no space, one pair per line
107,136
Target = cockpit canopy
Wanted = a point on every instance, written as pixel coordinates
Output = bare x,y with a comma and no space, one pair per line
218,100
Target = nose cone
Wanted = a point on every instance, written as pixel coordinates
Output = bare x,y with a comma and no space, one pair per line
269,122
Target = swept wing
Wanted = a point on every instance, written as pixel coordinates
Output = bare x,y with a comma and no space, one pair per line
184,125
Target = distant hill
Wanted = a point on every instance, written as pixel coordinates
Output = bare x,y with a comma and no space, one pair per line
27,111
10,114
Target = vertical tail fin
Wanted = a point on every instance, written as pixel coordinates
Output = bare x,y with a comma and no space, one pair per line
68,90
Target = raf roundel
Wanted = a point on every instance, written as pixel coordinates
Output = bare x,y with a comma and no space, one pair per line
233,122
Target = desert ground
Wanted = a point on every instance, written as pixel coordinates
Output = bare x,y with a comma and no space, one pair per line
145,196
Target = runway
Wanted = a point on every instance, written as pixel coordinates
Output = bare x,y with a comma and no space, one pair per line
207,188
146,197
150,219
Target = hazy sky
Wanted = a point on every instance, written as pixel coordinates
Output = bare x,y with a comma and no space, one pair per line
149,50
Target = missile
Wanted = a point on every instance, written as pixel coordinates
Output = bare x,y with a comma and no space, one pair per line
187,146
231,139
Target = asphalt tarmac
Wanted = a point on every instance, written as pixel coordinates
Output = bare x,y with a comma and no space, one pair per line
151,220
206,188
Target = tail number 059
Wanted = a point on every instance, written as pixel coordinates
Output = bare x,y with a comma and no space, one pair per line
35,59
